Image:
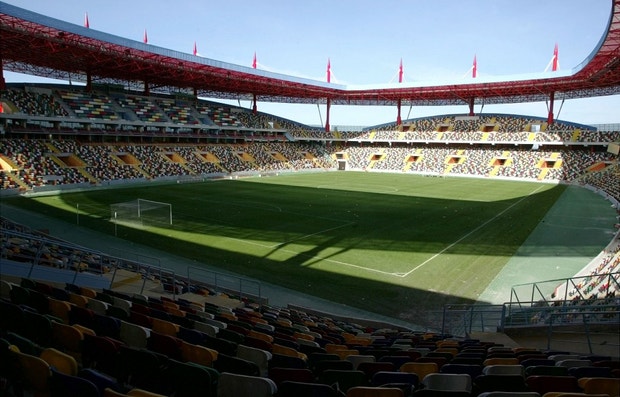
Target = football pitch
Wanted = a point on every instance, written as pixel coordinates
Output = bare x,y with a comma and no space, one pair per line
387,243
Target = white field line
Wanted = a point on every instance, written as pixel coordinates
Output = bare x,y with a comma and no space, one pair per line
310,235
319,258
395,274
468,234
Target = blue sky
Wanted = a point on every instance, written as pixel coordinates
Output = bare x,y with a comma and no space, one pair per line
365,41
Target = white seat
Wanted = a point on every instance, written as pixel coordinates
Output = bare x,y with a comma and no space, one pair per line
308,342
504,370
122,303
208,329
215,323
447,382
562,357
134,335
97,306
570,363
258,356
266,327
234,385
357,359
5,289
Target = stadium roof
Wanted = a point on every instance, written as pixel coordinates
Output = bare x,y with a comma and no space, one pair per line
38,45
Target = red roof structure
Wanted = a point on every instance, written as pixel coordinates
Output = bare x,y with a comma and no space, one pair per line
42,46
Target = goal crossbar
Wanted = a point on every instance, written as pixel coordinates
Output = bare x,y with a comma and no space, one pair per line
136,209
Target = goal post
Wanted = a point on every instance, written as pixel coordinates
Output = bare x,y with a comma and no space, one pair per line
142,211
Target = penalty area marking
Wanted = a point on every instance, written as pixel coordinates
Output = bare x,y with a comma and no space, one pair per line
468,234
368,269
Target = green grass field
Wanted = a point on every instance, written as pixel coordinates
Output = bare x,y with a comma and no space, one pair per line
388,243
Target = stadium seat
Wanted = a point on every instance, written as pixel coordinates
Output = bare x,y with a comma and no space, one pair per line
590,372
609,386
420,368
546,370
60,361
385,377
548,383
303,389
470,369
447,382
33,373
279,375
345,379
100,380
134,335
235,365
503,370
236,385
68,339
62,384
506,383
189,379
140,368
257,356
364,391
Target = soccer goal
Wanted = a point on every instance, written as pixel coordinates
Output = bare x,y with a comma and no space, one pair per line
142,212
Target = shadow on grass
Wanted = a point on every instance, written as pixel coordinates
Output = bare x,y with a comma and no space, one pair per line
329,223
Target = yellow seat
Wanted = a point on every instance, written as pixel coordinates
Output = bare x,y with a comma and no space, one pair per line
501,361
164,327
198,354
260,335
107,392
88,292
143,393
301,335
68,338
343,354
62,362
288,351
84,330
452,350
568,394
610,386
420,369
34,372
332,348
60,309
78,300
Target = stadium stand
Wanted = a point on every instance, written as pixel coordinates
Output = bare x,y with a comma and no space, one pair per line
179,337
157,346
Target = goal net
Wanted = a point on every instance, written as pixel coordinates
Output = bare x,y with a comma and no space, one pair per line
142,212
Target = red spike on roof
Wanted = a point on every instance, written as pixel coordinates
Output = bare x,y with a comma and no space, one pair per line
329,71
86,23
555,58
254,64
400,71
195,52
474,70
146,38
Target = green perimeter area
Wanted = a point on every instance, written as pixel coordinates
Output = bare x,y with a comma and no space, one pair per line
399,245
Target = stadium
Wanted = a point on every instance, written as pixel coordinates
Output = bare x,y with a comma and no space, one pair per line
159,237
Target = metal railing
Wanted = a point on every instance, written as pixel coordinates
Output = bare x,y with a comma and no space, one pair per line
32,254
462,320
